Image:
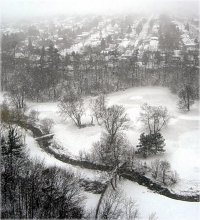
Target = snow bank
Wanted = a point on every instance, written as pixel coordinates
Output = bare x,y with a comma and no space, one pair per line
165,208
148,202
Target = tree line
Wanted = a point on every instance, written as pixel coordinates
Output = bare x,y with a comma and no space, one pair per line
42,74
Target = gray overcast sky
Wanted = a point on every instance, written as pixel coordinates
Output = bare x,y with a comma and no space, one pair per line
27,8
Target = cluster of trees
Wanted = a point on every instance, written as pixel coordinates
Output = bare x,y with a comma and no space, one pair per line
30,190
45,80
42,73
161,171
98,107
115,206
187,96
153,118
113,147
12,114
72,106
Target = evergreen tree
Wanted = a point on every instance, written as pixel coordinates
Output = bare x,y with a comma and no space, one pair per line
12,148
150,144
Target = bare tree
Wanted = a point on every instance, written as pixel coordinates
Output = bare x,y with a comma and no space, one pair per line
115,120
113,146
155,168
154,118
111,206
165,168
98,107
131,211
72,106
12,115
114,205
16,97
46,125
186,97
161,171
111,151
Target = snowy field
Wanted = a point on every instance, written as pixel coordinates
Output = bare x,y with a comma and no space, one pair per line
165,208
181,135
182,149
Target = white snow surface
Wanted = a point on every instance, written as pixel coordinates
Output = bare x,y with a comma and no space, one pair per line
164,207
148,202
181,135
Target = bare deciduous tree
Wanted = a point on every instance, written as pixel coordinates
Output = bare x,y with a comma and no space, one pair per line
72,106
98,107
154,118
160,170
113,146
111,152
186,97
174,177
16,97
115,206
165,168
131,211
115,120
155,168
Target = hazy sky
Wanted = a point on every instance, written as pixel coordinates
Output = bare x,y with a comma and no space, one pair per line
27,8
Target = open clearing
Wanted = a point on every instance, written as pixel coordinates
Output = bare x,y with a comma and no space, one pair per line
181,135
182,148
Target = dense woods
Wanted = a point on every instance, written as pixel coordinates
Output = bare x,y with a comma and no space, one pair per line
42,73
31,190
